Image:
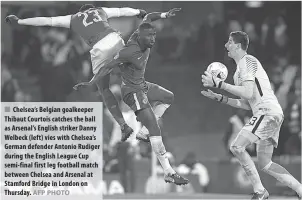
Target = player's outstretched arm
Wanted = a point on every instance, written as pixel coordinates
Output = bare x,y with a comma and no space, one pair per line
237,103
244,91
124,12
127,54
160,15
101,73
59,21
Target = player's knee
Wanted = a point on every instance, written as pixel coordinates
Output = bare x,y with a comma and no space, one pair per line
169,98
236,150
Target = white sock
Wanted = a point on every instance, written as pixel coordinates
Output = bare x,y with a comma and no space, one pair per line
158,110
254,177
251,171
282,175
160,151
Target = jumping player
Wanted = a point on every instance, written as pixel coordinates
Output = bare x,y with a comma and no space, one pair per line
91,24
138,94
253,86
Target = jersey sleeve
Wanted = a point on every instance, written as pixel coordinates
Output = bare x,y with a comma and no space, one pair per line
112,12
248,68
119,12
61,21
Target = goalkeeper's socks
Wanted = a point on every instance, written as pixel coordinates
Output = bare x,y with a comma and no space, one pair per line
160,152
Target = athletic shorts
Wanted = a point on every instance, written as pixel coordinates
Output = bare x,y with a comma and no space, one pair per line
265,127
140,99
104,50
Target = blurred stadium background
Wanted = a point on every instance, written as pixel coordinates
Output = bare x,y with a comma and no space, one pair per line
43,64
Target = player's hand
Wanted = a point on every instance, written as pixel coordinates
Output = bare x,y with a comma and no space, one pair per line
172,12
209,80
12,20
142,14
79,85
211,95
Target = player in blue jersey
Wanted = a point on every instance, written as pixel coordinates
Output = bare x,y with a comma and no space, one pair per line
139,94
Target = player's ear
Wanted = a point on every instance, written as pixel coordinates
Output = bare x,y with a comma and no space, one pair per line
238,45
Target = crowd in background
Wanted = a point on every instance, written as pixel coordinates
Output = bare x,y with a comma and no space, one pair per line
59,59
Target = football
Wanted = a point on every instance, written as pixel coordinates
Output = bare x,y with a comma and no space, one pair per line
219,70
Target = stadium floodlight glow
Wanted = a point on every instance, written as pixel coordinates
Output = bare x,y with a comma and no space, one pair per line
254,4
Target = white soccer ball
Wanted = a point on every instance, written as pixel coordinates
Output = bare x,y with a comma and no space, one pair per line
219,70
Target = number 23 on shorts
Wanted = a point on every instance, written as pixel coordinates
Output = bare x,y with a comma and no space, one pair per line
253,120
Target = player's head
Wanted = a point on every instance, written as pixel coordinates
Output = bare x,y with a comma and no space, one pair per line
238,41
147,34
86,7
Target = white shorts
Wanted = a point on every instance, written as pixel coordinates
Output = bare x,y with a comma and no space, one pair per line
264,127
104,50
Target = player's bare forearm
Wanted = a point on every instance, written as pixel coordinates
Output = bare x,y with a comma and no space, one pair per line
101,73
153,16
161,15
239,103
244,91
91,82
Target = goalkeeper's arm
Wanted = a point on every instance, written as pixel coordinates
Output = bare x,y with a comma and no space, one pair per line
237,103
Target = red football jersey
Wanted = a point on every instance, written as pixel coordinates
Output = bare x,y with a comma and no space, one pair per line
92,25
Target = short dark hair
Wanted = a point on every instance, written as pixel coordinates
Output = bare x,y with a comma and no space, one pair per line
145,26
242,38
86,7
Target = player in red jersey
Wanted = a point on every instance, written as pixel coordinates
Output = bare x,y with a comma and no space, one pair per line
91,24
139,94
